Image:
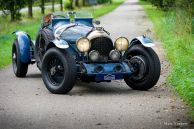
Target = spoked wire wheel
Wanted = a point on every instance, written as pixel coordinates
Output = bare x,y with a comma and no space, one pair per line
55,70
58,71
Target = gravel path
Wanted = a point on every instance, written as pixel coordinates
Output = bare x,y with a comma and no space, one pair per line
26,103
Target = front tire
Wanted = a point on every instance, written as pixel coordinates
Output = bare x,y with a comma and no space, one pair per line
58,71
146,65
20,69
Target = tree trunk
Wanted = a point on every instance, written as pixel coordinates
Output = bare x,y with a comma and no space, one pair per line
42,6
61,5
77,3
71,4
53,5
12,16
84,2
30,13
12,11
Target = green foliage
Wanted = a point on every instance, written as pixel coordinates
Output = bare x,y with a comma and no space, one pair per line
193,25
187,5
103,1
173,28
68,4
165,4
14,7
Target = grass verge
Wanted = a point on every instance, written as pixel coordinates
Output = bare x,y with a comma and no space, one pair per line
179,46
31,27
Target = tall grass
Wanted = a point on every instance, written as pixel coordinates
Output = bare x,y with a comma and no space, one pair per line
173,28
31,26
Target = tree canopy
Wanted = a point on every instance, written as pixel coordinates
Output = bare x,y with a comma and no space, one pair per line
13,6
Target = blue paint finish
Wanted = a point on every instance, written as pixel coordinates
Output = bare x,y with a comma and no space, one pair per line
74,49
112,76
74,33
81,21
84,21
58,22
73,52
126,66
24,46
108,69
147,39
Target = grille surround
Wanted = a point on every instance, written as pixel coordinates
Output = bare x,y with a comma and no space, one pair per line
103,45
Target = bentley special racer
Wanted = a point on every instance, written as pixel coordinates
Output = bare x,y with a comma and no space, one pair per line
69,48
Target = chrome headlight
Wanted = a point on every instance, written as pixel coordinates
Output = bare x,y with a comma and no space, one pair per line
121,44
114,55
94,55
83,44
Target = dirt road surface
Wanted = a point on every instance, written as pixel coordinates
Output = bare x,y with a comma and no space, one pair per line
26,103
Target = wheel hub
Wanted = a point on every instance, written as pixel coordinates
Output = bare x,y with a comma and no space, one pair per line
14,60
14,56
59,67
139,66
53,71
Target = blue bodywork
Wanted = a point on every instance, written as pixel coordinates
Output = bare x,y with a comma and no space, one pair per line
81,27
84,21
24,46
58,22
73,33
108,71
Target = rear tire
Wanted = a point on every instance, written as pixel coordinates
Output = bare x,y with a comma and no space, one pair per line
20,69
58,71
147,67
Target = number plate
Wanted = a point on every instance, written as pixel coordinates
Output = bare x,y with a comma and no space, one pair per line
109,77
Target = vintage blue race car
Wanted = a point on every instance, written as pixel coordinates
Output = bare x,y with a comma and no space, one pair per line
70,48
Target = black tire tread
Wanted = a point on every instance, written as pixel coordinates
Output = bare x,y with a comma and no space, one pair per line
22,68
157,66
